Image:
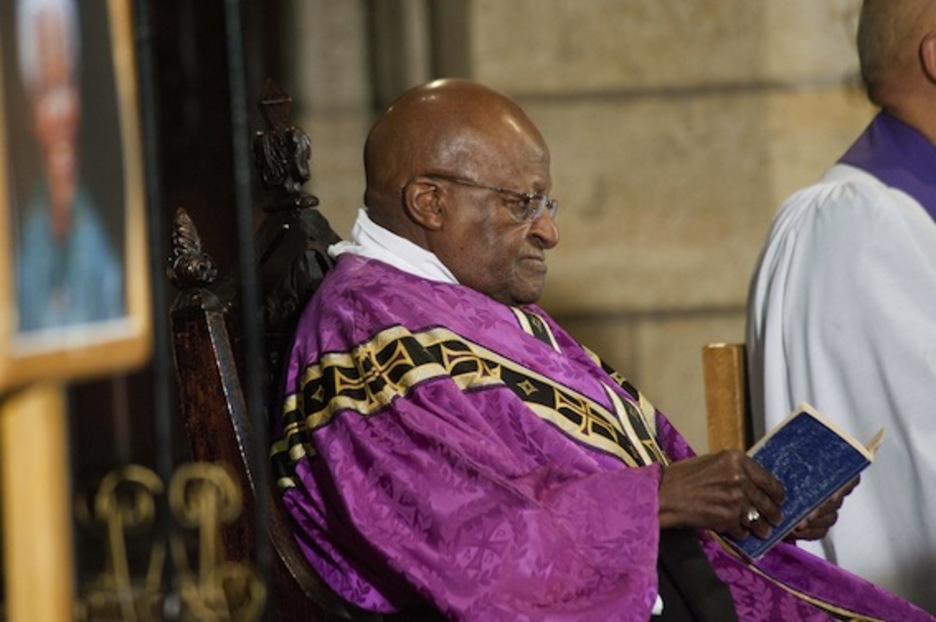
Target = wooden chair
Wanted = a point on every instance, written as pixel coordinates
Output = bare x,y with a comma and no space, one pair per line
291,249
727,403
218,427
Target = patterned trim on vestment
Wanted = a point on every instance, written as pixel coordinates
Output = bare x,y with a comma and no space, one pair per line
835,611
636,425
639,422
534,325
648,410
372,375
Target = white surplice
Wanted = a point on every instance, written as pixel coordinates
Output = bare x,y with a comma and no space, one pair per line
842,314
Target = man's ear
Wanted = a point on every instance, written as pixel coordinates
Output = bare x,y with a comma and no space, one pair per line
928,57
423,203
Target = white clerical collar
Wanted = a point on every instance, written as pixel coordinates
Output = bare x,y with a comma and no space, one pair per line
369,239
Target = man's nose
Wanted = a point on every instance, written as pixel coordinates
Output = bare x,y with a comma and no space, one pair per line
546,230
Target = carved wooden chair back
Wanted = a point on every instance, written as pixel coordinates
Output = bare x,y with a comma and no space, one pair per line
291,247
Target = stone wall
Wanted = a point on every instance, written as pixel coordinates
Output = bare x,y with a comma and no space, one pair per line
676,128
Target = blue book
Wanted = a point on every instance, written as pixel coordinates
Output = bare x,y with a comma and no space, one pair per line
813,459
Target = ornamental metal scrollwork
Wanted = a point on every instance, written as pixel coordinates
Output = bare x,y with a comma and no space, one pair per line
202,497
124,503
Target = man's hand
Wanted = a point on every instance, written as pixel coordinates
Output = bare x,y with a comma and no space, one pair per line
817,524
719,492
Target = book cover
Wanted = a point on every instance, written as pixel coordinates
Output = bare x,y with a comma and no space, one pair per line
813,459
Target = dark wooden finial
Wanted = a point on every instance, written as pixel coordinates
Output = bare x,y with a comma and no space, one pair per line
189,266
282,153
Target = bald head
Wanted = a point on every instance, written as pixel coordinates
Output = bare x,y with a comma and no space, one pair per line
452,167
893,36
446,126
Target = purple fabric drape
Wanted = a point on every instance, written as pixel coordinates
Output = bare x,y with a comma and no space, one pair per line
439,451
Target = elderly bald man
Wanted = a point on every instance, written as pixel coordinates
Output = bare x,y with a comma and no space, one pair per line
841,311
446,441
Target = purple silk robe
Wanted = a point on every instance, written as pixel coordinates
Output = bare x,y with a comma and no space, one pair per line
439,445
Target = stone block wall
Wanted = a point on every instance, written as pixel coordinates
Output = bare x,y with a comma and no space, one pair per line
676,129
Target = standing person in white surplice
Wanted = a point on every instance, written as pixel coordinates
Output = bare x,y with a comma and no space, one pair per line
842,308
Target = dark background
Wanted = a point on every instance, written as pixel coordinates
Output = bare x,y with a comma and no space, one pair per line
196,172
114,419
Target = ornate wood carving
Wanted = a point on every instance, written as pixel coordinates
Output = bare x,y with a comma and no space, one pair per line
282,153
189,265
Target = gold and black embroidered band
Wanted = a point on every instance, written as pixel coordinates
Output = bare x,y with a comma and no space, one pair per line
388,366
533,324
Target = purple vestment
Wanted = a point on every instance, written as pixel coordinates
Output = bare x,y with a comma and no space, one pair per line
444,446
898,155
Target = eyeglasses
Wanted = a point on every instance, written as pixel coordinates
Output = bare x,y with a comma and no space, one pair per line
532,204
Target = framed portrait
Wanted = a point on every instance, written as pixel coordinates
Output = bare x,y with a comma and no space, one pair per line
74,282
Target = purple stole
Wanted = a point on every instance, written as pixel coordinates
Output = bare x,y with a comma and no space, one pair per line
898,155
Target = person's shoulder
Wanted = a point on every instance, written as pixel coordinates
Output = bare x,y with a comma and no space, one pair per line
331,315
359,298
845,194
340,283
366,286
841,185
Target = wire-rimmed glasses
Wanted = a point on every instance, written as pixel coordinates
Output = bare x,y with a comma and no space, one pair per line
532,204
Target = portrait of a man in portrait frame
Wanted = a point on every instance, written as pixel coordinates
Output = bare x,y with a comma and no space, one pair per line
72,191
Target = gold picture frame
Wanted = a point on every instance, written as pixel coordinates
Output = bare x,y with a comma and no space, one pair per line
74,280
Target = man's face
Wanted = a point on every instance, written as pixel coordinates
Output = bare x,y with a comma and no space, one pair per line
484,244
55,109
